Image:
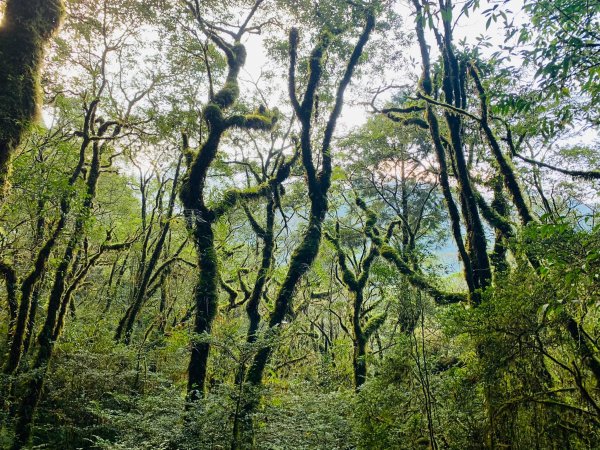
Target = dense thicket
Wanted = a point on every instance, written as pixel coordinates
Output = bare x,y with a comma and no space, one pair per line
264,224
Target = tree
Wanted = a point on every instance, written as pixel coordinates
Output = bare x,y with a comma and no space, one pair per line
318,184
201,217
24,33
453,303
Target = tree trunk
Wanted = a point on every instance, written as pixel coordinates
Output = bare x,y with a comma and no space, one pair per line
206,300
26,28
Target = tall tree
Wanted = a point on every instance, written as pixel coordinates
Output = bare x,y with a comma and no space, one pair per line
318,182
25,31
201,217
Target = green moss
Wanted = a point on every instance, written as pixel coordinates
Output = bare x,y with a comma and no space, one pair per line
251,122
370,229
25,30
239,52
212,113
348,277
425,83
374,324
233,196
227,95
417,280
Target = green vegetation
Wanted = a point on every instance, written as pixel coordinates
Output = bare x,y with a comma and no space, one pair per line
200,249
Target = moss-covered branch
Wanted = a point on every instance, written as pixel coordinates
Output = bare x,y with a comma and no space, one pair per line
355,282
389,253
449,107
493,217
231,292
325,175
258,230
419,281
234,196
293,52
250,122
374,324
506,167
584,174
10,279
348,277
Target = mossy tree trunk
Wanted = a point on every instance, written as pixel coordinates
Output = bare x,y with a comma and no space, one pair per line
318,187
25,31
502,234
37,291
355,282
199,216
268,237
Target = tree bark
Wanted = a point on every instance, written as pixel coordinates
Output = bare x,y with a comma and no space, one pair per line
26,29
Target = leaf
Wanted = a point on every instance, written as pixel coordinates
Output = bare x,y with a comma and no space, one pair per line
447,14
338,174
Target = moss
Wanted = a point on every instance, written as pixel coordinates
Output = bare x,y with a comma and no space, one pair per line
425,82
417,280
239,52
492,216
506,167
348,276
233,196
374,324
370,229
371,216
212,113
185,191
10,277
206,300
227,95
26,29
417,122
230,198
251,122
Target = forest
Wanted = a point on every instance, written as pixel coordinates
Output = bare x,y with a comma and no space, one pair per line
300,224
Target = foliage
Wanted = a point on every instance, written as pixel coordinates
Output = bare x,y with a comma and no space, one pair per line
355,256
